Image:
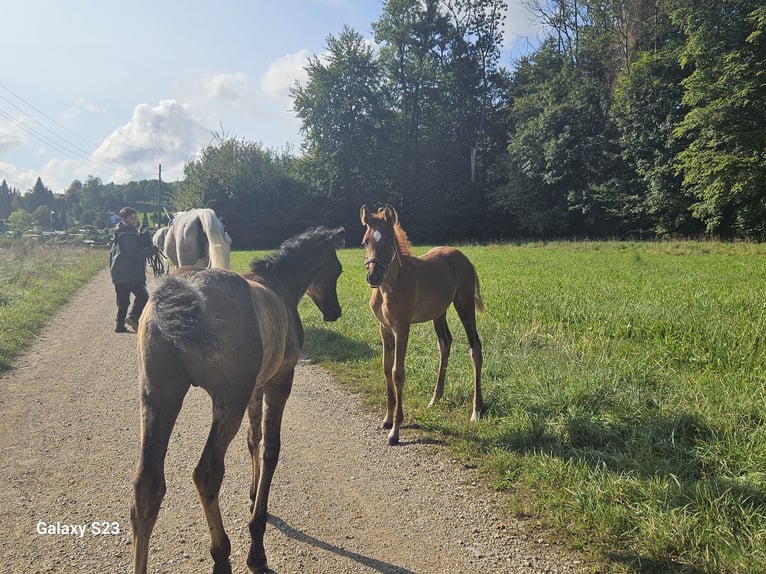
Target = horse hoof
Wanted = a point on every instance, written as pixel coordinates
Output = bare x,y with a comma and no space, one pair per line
393,440
475,417
387,425
222,567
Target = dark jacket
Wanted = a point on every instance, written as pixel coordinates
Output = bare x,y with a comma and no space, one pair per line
127,259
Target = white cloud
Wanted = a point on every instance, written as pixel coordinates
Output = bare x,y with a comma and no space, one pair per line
7,172
166,134
11,137
227,87
82,106
283,73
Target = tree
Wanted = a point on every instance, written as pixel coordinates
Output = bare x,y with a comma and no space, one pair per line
251,190
92,195
648,109
565,173
39,195
445,91
19,221
473,70
723,164
6,200
345,123
43,217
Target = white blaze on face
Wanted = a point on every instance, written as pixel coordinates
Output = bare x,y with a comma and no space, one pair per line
376,236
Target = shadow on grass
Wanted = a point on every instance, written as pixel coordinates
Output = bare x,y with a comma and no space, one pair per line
645,445
327,345
652,566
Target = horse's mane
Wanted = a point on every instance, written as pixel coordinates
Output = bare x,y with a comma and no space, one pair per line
291,246
402,241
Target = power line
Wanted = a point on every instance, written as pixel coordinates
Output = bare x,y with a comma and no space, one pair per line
61,144
42,113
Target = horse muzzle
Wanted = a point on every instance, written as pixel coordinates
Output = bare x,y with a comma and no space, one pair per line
376,272
373,280
331,316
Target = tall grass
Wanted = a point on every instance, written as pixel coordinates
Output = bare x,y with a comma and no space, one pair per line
35,280
625,388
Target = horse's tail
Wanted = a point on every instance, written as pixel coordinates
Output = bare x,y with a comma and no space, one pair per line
216,237
477,300
178,313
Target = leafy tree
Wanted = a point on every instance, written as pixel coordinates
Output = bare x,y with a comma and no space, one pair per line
345,123
723,164
251,189
19,221
472,71
441,75
73,198
92,196
414,39
648,109
565,174
43,217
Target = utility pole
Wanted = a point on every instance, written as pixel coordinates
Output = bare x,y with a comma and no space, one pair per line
159,189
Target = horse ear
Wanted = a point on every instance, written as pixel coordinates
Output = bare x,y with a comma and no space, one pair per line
364,213
390,214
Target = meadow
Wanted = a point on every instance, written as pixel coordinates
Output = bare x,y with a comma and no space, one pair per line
35,280
625,391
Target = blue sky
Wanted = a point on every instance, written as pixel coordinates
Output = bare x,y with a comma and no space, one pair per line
113,89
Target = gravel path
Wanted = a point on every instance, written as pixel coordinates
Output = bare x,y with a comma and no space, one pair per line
342,501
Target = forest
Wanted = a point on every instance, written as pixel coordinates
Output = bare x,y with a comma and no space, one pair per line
631,119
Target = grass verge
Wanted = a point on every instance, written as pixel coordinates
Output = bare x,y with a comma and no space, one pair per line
35,280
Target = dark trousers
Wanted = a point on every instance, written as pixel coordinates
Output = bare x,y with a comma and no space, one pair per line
140,297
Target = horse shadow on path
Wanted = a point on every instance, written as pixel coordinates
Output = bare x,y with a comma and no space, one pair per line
295,534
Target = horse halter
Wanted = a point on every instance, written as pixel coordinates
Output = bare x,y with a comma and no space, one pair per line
385,266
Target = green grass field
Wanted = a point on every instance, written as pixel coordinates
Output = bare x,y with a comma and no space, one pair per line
35,280
625,386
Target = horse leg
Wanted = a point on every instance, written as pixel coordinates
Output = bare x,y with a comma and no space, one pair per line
402,336
467,314
208,476
274,399
445,344
389,349
158,415
254,434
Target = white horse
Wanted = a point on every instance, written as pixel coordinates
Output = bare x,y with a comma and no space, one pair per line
158,239
195,237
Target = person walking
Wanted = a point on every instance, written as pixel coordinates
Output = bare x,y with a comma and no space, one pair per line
127,264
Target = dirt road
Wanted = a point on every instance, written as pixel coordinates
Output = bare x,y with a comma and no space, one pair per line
342,500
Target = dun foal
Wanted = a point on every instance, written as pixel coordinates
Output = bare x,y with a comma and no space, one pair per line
408,289
239,338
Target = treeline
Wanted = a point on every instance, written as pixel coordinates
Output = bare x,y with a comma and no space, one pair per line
634,118
83,204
